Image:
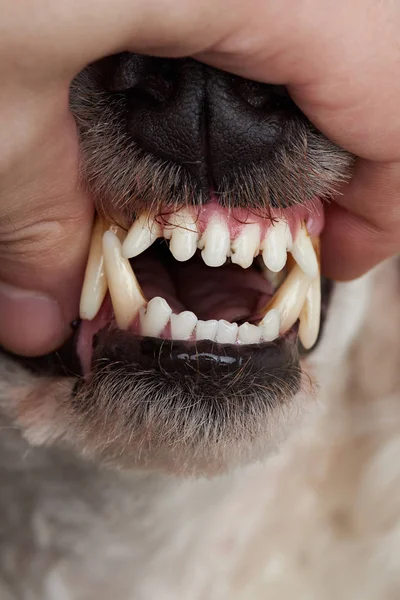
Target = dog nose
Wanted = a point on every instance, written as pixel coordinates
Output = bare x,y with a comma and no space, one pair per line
204,120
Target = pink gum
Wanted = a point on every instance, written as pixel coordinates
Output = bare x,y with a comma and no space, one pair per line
311,212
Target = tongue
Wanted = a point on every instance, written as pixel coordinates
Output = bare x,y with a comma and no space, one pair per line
228,292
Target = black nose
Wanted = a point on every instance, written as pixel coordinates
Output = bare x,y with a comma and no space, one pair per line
207,121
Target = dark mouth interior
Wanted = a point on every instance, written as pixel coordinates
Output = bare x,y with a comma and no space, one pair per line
228,292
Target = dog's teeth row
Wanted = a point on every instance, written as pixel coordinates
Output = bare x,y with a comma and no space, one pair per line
185,326
216,244
298,297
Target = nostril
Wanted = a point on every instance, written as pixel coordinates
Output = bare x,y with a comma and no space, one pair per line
156,86
150,78
262,95
121,72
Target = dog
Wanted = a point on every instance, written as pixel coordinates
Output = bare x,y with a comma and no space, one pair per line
222,423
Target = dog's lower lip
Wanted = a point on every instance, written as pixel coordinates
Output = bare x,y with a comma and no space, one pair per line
192,359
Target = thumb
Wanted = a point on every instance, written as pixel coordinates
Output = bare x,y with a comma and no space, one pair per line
44,229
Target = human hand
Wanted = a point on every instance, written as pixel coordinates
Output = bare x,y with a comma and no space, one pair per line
339,62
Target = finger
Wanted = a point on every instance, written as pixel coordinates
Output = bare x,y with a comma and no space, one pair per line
339,60
45,223
74,33
363,225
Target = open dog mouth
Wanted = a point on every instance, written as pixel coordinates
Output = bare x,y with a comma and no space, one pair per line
203,285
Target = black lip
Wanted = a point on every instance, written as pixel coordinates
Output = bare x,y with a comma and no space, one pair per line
186,358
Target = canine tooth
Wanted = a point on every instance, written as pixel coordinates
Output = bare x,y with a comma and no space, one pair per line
141,236
182,325
155,318
270,325
290,297
246,246
226,332
310,315
277,241
206,330
216,242
184,236
126,294
249,334
304,254
95,285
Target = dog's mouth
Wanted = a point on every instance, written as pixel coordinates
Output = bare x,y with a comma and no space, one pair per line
202,288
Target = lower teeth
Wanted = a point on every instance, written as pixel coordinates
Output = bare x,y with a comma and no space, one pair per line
298,297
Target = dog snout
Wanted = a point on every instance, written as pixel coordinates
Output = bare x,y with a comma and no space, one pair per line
161,133
198,117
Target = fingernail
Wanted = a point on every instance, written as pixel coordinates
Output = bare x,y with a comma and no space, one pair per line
31,323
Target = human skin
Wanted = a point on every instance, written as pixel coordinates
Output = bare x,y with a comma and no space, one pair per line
339,58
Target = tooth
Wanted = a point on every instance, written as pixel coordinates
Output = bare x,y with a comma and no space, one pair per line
277,241
184,236
182,325
206,330
216,241
246,246
304,254
141,236
249,334
310,315
95,285
270,325
290,297
226,332
126,294
154,320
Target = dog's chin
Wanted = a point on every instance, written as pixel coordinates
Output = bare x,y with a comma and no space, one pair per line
184,405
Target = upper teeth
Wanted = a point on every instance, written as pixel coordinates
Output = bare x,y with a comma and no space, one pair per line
215,242
95,284
277,241
184,235
311,311
125,291
297,297
303,253
247,245
141,236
